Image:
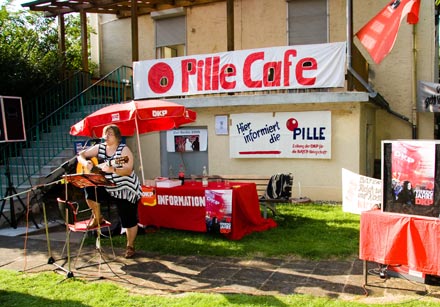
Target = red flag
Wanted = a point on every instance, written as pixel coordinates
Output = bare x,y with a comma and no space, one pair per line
379,34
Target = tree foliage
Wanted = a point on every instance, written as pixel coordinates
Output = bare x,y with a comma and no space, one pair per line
30,60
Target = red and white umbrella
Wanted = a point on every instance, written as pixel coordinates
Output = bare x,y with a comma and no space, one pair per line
135,117
141,116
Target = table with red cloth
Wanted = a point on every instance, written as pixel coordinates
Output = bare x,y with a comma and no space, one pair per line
246,214
401,239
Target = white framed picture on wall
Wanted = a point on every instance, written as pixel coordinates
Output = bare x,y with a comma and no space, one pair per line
187,140
221,124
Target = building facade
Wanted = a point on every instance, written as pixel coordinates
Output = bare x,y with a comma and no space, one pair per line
358,123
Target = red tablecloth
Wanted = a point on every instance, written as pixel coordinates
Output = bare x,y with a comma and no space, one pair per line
400,239
246,214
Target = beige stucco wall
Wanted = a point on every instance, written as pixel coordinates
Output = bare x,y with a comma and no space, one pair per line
263,24
149,150
206,29
146,38
367,139
116,43
337,21
257,24
260,24
319,179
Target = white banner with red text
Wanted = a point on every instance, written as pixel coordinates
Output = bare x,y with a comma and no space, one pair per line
281,135
287,67
360,193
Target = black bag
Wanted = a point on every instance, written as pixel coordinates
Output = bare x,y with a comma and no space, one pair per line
279,187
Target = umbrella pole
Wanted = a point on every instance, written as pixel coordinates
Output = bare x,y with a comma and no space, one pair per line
140,151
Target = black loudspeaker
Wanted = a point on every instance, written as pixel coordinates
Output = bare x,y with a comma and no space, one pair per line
12,121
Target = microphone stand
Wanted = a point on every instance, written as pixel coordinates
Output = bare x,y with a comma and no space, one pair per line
11,192
51,260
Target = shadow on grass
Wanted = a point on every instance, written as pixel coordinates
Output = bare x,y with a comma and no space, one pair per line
20,299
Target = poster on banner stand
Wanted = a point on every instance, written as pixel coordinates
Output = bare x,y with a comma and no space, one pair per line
219,211
410,177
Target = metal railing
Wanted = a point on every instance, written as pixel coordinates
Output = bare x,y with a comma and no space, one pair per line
50,117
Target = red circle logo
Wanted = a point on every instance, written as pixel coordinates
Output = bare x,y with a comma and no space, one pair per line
291,124
160,78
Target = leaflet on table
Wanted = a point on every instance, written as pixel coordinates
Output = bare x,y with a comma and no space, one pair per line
162,182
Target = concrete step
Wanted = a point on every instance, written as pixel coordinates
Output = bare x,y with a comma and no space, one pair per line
42,161
30,175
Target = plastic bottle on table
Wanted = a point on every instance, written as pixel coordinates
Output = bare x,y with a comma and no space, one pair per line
181,174
170,172
204,177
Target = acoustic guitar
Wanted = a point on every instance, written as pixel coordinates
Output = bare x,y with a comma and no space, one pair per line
97,167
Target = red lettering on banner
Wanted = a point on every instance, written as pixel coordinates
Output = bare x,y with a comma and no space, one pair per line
228,71
300,67
275,67
200,65
188,68
247,70
287,65
215,71
160,78
208,74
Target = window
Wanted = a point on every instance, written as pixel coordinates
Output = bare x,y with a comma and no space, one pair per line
170,37
307,22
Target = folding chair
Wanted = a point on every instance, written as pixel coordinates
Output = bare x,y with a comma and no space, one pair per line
72,216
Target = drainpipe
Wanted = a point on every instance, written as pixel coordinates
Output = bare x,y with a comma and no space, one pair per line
414,85
375,96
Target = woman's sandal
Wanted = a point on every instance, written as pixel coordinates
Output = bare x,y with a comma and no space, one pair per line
129,252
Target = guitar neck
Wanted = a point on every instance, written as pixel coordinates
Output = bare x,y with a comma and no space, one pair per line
109,163
117,162
97,167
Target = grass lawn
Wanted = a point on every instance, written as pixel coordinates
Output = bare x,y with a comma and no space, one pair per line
308,231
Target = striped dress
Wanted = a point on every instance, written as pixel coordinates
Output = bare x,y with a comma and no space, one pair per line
127,187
